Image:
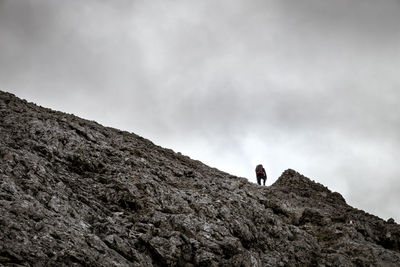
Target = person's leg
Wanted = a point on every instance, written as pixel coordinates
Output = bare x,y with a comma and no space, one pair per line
264,181
258,180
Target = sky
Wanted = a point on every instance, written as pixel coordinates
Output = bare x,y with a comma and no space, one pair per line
309,85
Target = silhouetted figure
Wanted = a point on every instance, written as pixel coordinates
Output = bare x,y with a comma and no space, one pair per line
261,174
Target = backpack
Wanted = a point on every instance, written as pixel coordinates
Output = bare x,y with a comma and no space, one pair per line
259,169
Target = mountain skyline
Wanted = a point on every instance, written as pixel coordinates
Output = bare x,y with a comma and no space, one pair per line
311,86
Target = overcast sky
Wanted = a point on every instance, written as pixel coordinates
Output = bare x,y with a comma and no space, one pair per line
309,85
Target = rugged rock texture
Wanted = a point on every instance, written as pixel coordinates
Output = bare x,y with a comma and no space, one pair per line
75,193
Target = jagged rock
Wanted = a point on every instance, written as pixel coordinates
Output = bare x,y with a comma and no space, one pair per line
75,193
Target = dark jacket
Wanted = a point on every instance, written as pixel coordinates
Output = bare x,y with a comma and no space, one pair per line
261,175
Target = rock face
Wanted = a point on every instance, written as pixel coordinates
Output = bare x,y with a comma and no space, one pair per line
75,193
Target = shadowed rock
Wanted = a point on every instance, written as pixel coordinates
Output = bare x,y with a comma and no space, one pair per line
75,193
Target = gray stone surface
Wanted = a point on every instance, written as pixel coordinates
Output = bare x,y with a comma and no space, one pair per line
75,193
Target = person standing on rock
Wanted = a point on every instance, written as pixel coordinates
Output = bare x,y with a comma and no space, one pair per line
261,174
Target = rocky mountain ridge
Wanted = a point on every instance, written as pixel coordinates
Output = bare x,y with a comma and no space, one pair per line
75,193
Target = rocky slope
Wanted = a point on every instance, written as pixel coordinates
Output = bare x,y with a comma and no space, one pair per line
75,193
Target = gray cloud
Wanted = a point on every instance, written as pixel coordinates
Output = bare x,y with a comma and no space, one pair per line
310,85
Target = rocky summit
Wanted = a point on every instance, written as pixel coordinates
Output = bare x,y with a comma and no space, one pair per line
75,193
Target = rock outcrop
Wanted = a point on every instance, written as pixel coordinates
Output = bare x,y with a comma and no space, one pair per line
75,193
